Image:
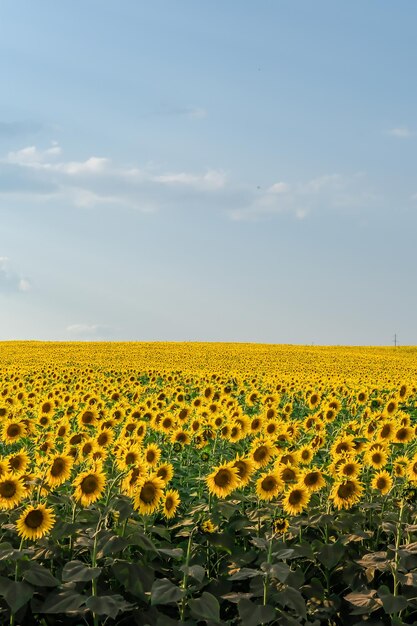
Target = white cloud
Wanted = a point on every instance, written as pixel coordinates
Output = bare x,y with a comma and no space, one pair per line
97,181
401,132
330,191
10,280
279,188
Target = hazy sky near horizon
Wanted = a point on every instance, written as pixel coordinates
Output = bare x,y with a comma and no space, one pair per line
214,171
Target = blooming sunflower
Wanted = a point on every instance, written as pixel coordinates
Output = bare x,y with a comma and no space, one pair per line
262,452
13,430
89,487
245,468
11,491
170,503
149,495
296,499
382,481
18,462
223,480
35,522
152,454
376,458
347,493
165,471
59,469
134,477
280,525
268,485
313,479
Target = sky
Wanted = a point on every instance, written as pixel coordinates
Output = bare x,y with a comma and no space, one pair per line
209,171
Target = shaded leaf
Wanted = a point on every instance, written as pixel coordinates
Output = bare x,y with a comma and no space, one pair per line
206,607
63,602
255,614
108,605
76,571
391,603
195,571
39,576
17,594
165,592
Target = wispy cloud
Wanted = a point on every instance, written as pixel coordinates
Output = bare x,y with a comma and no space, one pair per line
400,132
97,180
327,192
10,280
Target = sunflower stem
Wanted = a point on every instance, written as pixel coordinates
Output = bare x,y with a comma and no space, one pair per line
185,576
268,560
397,545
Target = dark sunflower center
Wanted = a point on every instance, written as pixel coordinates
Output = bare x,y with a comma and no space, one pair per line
402,434
346,490
13,430
342,447
87,417
102,439
89,484
295,497
7,489
288,475
242,469
222,478
269,483
148,492
16,462
311,479
381,483
130,458
34,519
58,466
260,454
150,456
169,503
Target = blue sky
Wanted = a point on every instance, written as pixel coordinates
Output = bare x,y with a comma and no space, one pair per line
215,171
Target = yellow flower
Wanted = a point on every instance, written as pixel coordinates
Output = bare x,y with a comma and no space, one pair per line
149,495
11,491
89,487
245,468
170,503
59,469
313,479
347,493
268,486
223,480
35,522
382,481
295,499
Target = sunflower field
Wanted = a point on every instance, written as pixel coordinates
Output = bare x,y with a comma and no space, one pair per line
174,484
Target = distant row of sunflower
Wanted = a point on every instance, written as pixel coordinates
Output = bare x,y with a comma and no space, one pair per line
158,437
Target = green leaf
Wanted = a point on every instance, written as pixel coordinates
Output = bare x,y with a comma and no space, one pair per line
206,607
108,605
292,597
280,571
255,614
63,602
39,576
76,571
195,571
244,573
330,554
165,592
142,541
176,553
391,603
112,545
136,579
17,594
